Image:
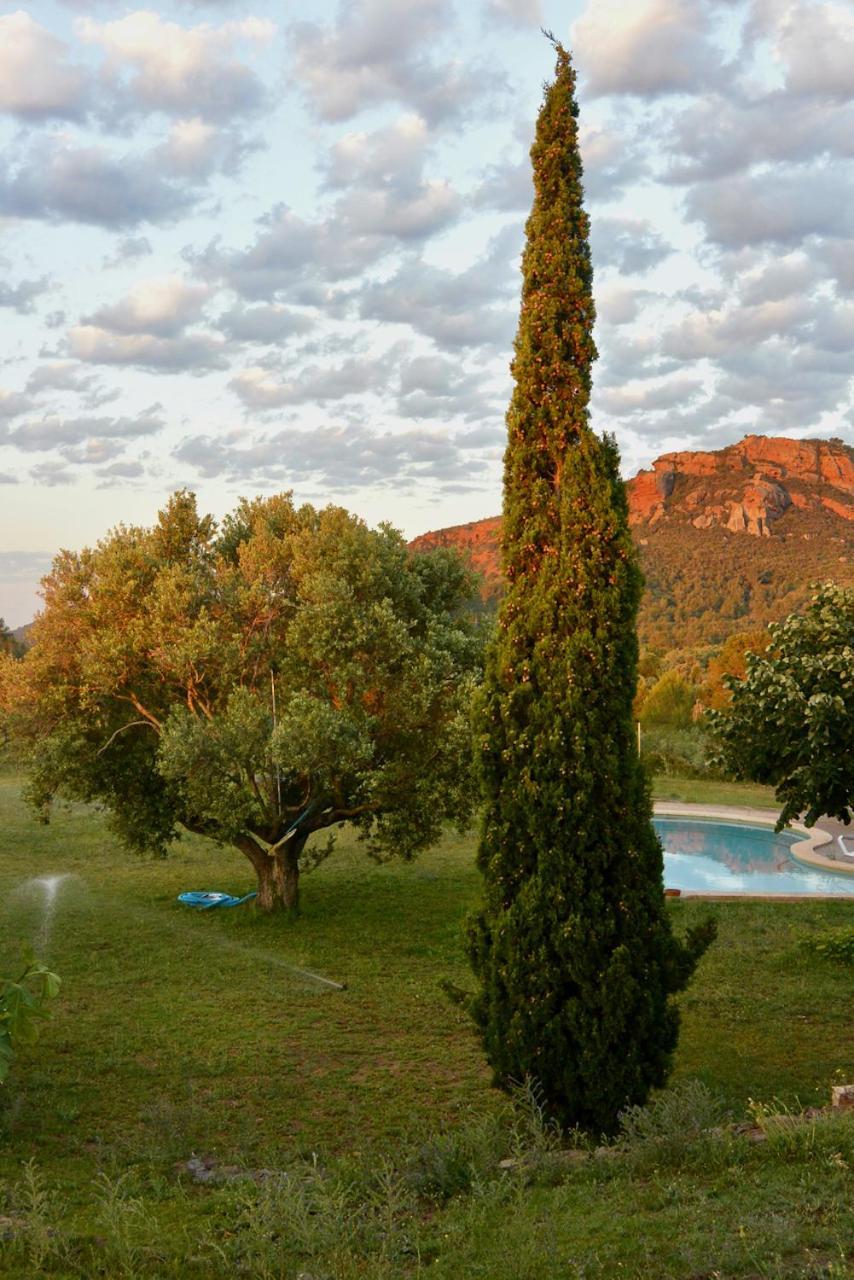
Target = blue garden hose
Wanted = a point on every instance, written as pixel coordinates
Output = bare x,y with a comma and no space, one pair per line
205,901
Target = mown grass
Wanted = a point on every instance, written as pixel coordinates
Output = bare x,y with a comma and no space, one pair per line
714,791
179,1033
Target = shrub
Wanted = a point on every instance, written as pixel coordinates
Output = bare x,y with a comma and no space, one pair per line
679,753
838,945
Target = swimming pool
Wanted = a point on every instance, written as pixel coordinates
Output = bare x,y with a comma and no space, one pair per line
729,857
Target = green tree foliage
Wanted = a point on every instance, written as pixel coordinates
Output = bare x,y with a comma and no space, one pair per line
573,948
791,719
23,1002
255,684
670,702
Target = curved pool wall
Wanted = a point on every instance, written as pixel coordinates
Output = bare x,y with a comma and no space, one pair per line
721,853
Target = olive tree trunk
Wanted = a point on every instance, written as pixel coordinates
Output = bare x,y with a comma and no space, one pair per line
277,873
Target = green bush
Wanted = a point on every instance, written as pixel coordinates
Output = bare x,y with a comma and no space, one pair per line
838,945
679,753
670,702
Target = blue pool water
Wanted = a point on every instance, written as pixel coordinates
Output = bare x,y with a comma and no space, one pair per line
723,857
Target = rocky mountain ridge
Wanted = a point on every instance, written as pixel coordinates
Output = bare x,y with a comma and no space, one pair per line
729,539
746,487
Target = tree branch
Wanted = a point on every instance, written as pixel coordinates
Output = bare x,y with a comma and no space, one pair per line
132,724
147,715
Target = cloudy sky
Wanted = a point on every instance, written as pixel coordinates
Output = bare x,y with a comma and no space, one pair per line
249,245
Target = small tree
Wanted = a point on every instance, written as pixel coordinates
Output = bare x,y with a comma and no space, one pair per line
573,947
289,672
791,719
731,661
669,702
23,1002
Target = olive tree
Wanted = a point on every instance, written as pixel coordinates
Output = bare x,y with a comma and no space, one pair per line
254,683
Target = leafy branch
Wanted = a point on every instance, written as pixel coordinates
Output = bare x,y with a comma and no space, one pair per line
23,1002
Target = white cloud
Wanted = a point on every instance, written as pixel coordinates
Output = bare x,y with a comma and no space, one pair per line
379,157
161,305
789,386
188,353
721,134
289,251
129,249
13,404
648,48
22,566
702,335
51,473
816,45
613,159
58,181
382,208
57,432
186,71
837,257
258,388
618,303
36,80
375,52
58,375
384,191
645,397
777,279
515,13
470,308
21,297
507,186
413,215
340,458
265,323
777,207
195,149
436,387
632,245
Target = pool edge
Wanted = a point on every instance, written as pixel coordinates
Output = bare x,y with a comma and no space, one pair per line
806,850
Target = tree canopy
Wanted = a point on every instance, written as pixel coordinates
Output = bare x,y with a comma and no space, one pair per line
573,946
790,722
669,702
254,683
730,661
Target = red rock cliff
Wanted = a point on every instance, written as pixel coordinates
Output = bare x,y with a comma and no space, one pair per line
758,487
747,486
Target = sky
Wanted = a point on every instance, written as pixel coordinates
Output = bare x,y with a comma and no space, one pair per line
256,245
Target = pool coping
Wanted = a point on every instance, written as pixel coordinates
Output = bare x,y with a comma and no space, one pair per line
806,850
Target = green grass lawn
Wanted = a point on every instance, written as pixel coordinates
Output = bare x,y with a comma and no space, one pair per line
180,1033
714,791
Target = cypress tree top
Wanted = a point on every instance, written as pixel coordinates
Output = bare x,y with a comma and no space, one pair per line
554,346
573,946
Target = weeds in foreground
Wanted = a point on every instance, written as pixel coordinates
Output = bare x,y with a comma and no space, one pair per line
392,1219
32,1212
680,1126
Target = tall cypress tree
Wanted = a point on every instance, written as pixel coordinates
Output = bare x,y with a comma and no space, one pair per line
573,946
